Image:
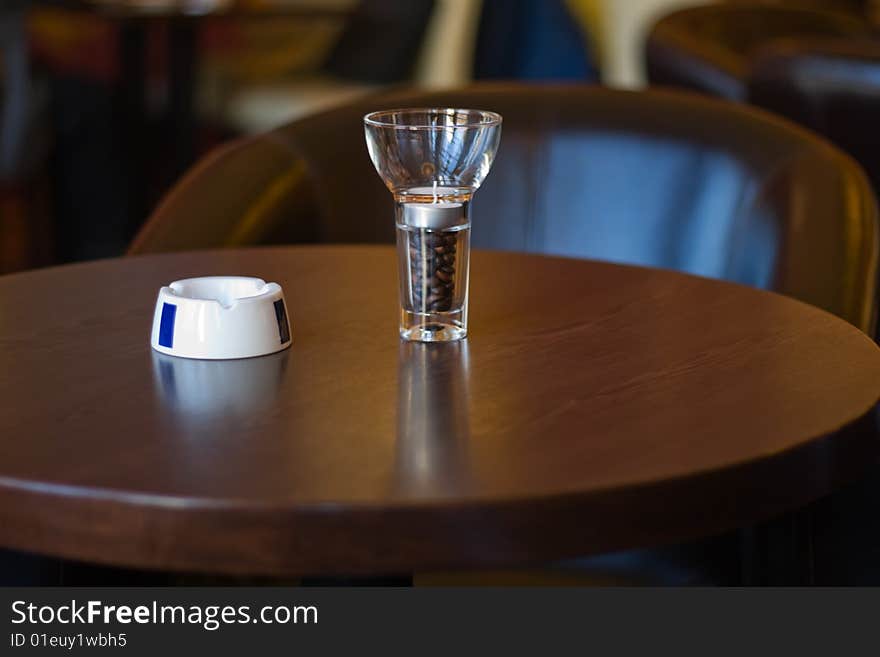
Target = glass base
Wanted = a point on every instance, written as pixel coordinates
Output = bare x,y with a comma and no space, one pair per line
432,327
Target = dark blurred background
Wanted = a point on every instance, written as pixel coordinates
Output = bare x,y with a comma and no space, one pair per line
105,103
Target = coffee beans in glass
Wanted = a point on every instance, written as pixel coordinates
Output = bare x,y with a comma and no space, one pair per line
433,160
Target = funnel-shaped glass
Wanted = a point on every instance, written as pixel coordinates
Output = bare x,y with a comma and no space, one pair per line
433,160
449,148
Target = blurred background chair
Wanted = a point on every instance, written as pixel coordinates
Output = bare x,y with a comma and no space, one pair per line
708,48
723,191
830,86
819,68
357,63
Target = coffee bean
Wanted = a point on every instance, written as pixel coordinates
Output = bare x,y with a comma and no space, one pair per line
443,275
433,239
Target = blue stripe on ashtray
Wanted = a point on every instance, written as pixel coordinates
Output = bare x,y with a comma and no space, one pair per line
166,325
281,318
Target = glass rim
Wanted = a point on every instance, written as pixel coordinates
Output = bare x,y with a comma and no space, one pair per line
486,118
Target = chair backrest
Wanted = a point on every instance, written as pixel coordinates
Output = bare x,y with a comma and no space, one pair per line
653,178
707,48
830,86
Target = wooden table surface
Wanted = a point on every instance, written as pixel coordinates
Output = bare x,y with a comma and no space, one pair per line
593,407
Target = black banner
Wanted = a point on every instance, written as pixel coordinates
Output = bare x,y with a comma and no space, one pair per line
454,621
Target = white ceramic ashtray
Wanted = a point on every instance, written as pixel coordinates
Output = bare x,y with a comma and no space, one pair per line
218,317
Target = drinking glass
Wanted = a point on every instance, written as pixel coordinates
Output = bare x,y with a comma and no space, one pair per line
432,161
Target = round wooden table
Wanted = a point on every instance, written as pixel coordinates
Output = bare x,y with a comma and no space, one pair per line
593,407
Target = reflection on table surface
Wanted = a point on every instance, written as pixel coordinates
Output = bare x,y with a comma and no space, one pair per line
433,428
205,390
201,399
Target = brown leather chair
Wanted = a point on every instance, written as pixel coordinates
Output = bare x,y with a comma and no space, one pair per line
709,48
654,178
817,68
830,86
